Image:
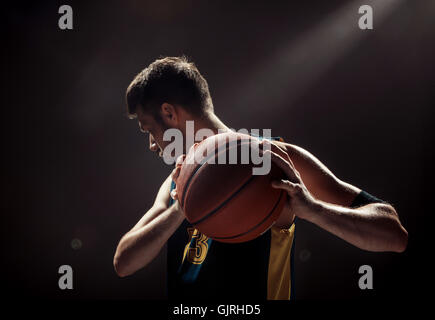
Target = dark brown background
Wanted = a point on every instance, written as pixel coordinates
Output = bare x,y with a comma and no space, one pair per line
75,167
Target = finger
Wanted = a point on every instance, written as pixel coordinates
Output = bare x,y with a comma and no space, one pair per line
174,194
286,185
280,150
270,145
180,160
175,173
285,166
283,153
277,149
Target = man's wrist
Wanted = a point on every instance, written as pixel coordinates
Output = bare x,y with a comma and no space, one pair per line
178,210
316,211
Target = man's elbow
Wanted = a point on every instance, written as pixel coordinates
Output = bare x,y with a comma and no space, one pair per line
401,239
122,264
400,235
395,235
119,267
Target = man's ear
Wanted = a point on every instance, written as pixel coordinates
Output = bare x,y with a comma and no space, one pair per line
169,114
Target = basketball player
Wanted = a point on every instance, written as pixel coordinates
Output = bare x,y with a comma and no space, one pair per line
171,91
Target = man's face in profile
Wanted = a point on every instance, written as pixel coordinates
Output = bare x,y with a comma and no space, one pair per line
154,129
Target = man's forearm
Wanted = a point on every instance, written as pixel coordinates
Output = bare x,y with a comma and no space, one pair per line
374,227
139,247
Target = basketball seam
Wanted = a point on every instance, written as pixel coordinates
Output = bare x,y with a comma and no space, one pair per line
257,225
208,215
200,165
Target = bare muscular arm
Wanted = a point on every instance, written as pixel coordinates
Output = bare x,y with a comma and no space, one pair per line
143,242
318,196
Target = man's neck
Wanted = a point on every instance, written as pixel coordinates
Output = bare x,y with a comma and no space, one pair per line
212,122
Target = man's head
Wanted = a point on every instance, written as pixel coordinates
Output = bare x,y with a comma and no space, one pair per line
164,95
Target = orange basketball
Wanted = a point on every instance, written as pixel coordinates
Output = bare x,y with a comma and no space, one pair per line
224,200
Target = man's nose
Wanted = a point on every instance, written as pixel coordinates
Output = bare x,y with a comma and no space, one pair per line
153,145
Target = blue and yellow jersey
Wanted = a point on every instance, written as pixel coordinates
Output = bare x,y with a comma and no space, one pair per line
200,268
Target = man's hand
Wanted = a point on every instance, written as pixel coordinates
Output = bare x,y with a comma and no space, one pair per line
373,227
175,173
300,202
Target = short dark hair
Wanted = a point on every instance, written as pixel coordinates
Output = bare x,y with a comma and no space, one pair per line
174,80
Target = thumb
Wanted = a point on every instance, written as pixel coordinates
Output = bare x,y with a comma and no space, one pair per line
174,194
180,160
284,185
